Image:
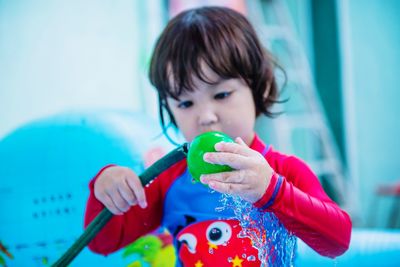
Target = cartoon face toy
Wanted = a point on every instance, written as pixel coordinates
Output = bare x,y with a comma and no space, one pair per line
216,243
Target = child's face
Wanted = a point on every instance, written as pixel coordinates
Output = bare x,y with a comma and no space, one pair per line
226,106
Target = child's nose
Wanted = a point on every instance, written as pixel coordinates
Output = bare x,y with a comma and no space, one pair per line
207,117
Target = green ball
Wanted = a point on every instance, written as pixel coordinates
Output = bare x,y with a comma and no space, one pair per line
201,144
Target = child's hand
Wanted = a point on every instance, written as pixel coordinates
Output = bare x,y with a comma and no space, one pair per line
119,188
252,172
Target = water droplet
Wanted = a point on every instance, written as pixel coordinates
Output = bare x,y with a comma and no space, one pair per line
242,234
251,258
212,191
276,246
219,209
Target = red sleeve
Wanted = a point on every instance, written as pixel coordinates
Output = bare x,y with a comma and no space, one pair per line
123,229
297,198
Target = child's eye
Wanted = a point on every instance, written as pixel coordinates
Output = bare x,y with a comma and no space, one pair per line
222,95
185,104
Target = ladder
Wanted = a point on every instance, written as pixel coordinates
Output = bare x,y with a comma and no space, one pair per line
302,128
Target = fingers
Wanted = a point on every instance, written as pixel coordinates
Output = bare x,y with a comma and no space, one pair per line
234,177
127,194
119,189
227,188
233,183
236,148
110,204
138,190
236,161
236,155
246,180
240,141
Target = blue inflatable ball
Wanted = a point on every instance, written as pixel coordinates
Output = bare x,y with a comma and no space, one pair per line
45,169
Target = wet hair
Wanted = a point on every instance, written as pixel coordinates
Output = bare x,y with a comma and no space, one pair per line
226,42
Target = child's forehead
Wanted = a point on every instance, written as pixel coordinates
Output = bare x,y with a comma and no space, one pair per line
202,73
203,76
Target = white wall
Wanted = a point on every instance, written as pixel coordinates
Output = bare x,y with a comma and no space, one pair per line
63,55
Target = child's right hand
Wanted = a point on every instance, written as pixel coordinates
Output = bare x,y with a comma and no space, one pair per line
119,188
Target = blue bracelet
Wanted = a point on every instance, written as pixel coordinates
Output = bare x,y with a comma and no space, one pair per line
276,190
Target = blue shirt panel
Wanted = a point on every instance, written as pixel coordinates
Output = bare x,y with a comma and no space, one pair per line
185,199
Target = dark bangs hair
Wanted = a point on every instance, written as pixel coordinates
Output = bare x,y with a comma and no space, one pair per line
226,42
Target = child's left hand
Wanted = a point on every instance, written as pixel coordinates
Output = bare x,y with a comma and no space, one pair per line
250,177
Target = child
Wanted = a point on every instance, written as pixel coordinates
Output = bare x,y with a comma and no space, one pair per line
212,74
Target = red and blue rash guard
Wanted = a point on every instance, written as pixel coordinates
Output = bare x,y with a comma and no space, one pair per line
294,195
